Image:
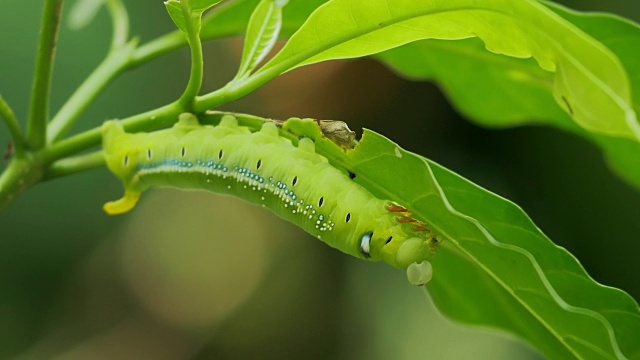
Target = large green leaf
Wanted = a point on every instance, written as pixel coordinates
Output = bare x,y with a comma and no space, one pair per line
589,82
495,268
520,90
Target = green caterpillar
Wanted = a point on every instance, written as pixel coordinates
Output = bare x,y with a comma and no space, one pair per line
266,169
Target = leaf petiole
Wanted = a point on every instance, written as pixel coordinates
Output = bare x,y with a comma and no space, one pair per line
12,123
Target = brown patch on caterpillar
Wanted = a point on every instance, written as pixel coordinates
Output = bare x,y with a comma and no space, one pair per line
351,175
421,227
405,219
391,207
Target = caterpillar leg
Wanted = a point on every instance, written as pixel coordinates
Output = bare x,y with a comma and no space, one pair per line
420,273
126,203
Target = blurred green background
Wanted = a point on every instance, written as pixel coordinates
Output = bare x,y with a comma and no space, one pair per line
198,276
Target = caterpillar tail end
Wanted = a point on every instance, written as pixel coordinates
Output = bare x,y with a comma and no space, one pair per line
123,205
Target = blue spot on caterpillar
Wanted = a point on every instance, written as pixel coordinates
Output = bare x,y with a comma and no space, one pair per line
266,169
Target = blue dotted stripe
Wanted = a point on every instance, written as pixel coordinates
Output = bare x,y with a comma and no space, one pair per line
246,175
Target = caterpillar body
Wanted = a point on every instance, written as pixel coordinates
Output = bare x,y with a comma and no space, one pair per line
266,169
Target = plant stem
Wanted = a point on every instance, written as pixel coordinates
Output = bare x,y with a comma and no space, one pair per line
120,21
37,124
154,119
22,173
160,117
237,89
12,123
157,47
111,66
195,79
74,165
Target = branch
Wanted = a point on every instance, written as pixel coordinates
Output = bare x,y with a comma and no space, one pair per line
37,124
120,21
163,116
74,165
22,173
154,119
157,47
110,67
12,123
195,78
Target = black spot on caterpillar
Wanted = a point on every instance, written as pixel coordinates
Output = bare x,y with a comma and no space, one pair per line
266,169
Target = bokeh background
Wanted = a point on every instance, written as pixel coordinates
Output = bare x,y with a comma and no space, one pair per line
192,275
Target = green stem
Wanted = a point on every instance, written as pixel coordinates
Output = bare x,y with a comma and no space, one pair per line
160,117
157,47
110,67
154,119
237,89
12,123
37,124
74,165
166,115
195,79
22,173
120,21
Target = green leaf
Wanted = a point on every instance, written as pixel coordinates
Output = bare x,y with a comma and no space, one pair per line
231,18
588,80
200,6
623,38
175,12
83,12
495,268
520,90
262,33
196,8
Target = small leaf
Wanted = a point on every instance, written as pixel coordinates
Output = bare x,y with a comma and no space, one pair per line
262,33
196,7
83,12
175,11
